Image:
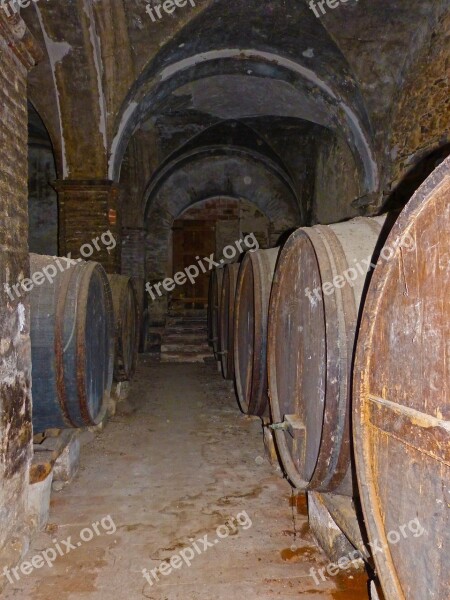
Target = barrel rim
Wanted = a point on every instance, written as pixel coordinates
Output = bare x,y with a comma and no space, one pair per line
259,261
217,274
125,284
226,356
244,403
89,269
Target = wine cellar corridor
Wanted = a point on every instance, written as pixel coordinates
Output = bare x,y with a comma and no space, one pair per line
225,299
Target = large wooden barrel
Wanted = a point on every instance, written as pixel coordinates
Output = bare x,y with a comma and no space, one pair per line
226,321
126,326
142,299
145,329
72,343
402,401
250,330
215,292
316,294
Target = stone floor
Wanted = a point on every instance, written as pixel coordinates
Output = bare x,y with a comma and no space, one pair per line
166,472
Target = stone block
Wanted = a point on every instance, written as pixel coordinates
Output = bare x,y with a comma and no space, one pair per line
327,534
68,462
39,501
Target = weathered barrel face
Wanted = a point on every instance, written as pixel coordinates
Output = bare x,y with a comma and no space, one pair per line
226,323
126,326
142,299
72,343
318,283
144,329
215,293
250,329
402,400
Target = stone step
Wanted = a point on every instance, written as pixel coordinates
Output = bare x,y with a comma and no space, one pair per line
184,338
201,348
184,357
186,322
194,313
181,330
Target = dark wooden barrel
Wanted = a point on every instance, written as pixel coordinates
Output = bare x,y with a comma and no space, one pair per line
126,326
72,343
145,326
401,396
209,312
250,330
142,298
215,291
311,342
226,321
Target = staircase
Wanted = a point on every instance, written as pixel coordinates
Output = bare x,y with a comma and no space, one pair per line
185,337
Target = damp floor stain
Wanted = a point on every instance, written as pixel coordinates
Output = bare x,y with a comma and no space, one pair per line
298,554
300,503
166,487
354,587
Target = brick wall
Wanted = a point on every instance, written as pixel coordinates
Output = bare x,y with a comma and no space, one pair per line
17,53
133,252
88,210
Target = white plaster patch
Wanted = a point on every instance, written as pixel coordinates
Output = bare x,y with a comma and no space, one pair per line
308,53
394,152
21,313
128,113
56,52
96,52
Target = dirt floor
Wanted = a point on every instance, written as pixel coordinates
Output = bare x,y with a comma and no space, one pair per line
178,483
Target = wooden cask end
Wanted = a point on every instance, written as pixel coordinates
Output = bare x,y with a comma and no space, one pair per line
126,326
250,330
215,293
72,343
226,321
402,400
317,290
142,298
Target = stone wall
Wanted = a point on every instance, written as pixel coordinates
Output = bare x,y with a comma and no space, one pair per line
42,201
421,116
336,181
17,54
133,251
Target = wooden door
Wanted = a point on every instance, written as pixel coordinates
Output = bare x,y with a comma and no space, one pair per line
192,239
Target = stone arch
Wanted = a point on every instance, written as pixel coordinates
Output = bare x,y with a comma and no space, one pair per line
294,88
209,173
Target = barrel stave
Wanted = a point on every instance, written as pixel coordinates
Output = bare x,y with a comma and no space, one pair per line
250,336
226,323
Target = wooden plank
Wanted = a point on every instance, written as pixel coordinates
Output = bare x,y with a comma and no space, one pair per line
47,453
